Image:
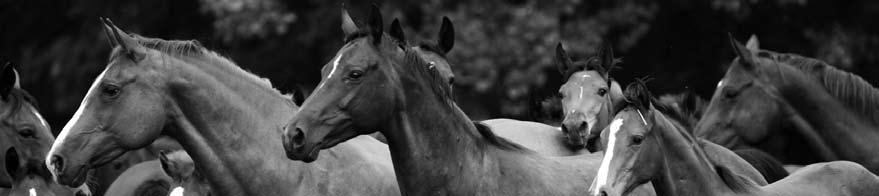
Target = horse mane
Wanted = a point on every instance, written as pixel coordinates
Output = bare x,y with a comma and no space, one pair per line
685,107
850,89
411,61
498,141
17,99
192,49
592,63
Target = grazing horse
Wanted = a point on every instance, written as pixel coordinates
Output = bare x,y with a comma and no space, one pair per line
647,145
227,119
541,138
589,97
799,109
373,84
25,137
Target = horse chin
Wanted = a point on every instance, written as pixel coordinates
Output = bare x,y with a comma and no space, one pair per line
73,177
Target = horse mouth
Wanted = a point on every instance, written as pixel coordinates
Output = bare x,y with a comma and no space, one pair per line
74,178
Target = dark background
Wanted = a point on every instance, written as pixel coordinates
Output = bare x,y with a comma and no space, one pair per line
502,57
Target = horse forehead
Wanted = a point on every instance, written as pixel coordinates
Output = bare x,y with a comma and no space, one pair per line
586,78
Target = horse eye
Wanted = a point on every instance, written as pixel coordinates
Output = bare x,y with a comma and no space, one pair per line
602,91
729,93
26,132
111,91
355,74
637,139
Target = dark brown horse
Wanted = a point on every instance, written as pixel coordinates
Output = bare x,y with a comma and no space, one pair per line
799,109
373,84
24,138
227,119
648,145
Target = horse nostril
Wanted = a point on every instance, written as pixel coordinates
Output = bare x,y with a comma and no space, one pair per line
298,137
564,129
584,125
602,193
57,163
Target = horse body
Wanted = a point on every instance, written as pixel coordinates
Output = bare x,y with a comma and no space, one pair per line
225,118
144,178
541,138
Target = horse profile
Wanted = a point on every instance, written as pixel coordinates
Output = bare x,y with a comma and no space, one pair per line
647,144
373,84
24,138
799,109
225,118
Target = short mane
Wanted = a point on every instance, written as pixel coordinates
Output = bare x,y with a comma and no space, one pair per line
17,99
498,141
850,89
192,49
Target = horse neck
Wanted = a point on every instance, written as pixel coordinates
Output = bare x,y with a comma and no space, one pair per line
835,126
684,170
432,144
231,127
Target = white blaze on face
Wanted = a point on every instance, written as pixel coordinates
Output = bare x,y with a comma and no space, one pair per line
177,191
32,192
42,120
719,83
332,70
581,92
66,131
601,178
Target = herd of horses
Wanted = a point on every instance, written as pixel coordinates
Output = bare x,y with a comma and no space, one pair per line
171,117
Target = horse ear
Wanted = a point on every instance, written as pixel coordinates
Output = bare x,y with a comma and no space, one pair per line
753,43
742,52
129,45
446,35
375,24
563,61
109,34
8,80
397,31
348,25
607,60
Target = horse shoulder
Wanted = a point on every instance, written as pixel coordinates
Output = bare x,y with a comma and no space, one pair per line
359,166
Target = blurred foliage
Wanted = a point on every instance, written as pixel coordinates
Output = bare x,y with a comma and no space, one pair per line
503,55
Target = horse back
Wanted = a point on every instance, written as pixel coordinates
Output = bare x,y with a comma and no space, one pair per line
829,178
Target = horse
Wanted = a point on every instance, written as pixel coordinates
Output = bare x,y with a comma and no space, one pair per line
142,179
373,84
691,106
798,109
649,145
589,96
542,138
104,176
226,118
24,139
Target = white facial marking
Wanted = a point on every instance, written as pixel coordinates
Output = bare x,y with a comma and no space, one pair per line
332,70
642,117
719,83
42,120
73,120
601,178
581,92
32,192
177,191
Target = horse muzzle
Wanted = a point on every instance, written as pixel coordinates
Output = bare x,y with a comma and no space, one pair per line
296,146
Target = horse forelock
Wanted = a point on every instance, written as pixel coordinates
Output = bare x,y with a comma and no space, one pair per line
850,89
